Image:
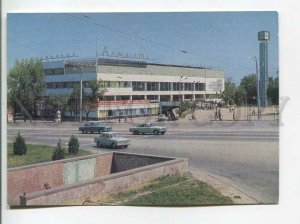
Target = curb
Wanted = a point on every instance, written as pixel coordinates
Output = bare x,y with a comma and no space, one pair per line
225,188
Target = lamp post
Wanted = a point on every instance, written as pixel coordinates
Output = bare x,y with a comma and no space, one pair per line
80,106
180,87
257,87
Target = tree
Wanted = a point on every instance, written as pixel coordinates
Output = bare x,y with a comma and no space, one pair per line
249,84
228,95
73,145
92,95
26,86
58,153
19,146
59,102
273,91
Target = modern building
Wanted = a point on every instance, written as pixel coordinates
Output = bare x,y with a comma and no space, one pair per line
263,38
134,88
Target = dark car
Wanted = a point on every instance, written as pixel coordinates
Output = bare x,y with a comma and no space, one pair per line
95,126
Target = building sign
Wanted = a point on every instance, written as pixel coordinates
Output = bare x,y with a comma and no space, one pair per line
121,55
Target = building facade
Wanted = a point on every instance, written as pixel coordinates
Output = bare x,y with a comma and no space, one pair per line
134,88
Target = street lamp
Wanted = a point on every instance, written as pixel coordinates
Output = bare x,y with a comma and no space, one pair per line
257,87
80,103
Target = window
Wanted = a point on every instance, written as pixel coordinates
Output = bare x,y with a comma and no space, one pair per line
138,86
176,86
165,86
165,98
152,86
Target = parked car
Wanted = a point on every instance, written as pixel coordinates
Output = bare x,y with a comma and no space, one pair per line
148,128
95,126
111,139
162,117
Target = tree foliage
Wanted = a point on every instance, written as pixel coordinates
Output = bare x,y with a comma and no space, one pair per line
249,84
73,145
228,95
19,146
91,95
26,86
58,153
273,91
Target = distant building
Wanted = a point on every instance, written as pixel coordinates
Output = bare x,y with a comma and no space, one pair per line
263,37
134,88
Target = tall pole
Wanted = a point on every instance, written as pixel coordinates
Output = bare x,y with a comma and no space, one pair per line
80,111
257,88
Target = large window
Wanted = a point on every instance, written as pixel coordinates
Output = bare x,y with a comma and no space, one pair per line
138,86
165,86
54,71
152,86
199,86
165,98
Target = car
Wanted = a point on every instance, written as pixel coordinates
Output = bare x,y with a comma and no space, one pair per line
95,126
111,139
162,117
148,128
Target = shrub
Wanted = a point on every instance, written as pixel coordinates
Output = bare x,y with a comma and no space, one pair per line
19,147
73,145
58,153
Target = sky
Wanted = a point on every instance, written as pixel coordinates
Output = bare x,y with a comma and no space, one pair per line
218,40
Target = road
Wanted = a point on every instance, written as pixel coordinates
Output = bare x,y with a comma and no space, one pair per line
245,155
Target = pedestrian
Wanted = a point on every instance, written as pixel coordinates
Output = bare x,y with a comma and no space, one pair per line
220,115
119,119
233,114
253,112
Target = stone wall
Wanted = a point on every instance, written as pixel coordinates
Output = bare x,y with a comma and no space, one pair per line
113,183
38,177
63,181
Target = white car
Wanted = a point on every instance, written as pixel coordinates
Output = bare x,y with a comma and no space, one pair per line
112,140
162,117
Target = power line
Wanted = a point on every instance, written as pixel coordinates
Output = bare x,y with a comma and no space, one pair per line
89,20
29,47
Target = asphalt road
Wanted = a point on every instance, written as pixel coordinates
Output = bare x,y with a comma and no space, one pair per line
245,155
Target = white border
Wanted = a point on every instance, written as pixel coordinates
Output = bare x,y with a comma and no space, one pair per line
288,208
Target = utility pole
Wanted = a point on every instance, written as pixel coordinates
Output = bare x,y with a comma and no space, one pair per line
257,88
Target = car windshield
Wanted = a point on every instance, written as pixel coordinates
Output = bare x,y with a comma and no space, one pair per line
151,125
115,135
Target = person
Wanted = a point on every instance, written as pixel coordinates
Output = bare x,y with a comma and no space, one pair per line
253,112
233,114
220,115
119,119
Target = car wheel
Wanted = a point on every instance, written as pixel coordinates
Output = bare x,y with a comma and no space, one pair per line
91,132
163,133
99,131
82,131
136,132
155,132
98,144
125,146
113,145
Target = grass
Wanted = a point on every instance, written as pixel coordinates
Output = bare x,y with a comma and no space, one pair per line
171,191
35,154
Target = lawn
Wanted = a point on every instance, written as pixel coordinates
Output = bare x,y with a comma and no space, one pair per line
169,191
35,154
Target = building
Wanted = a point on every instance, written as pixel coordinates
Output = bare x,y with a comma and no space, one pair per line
134,88
263,38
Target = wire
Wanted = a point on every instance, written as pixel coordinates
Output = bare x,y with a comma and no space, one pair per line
89,20
29,47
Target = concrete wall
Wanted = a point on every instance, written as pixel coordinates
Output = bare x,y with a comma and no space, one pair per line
33,178
112,183
85,177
